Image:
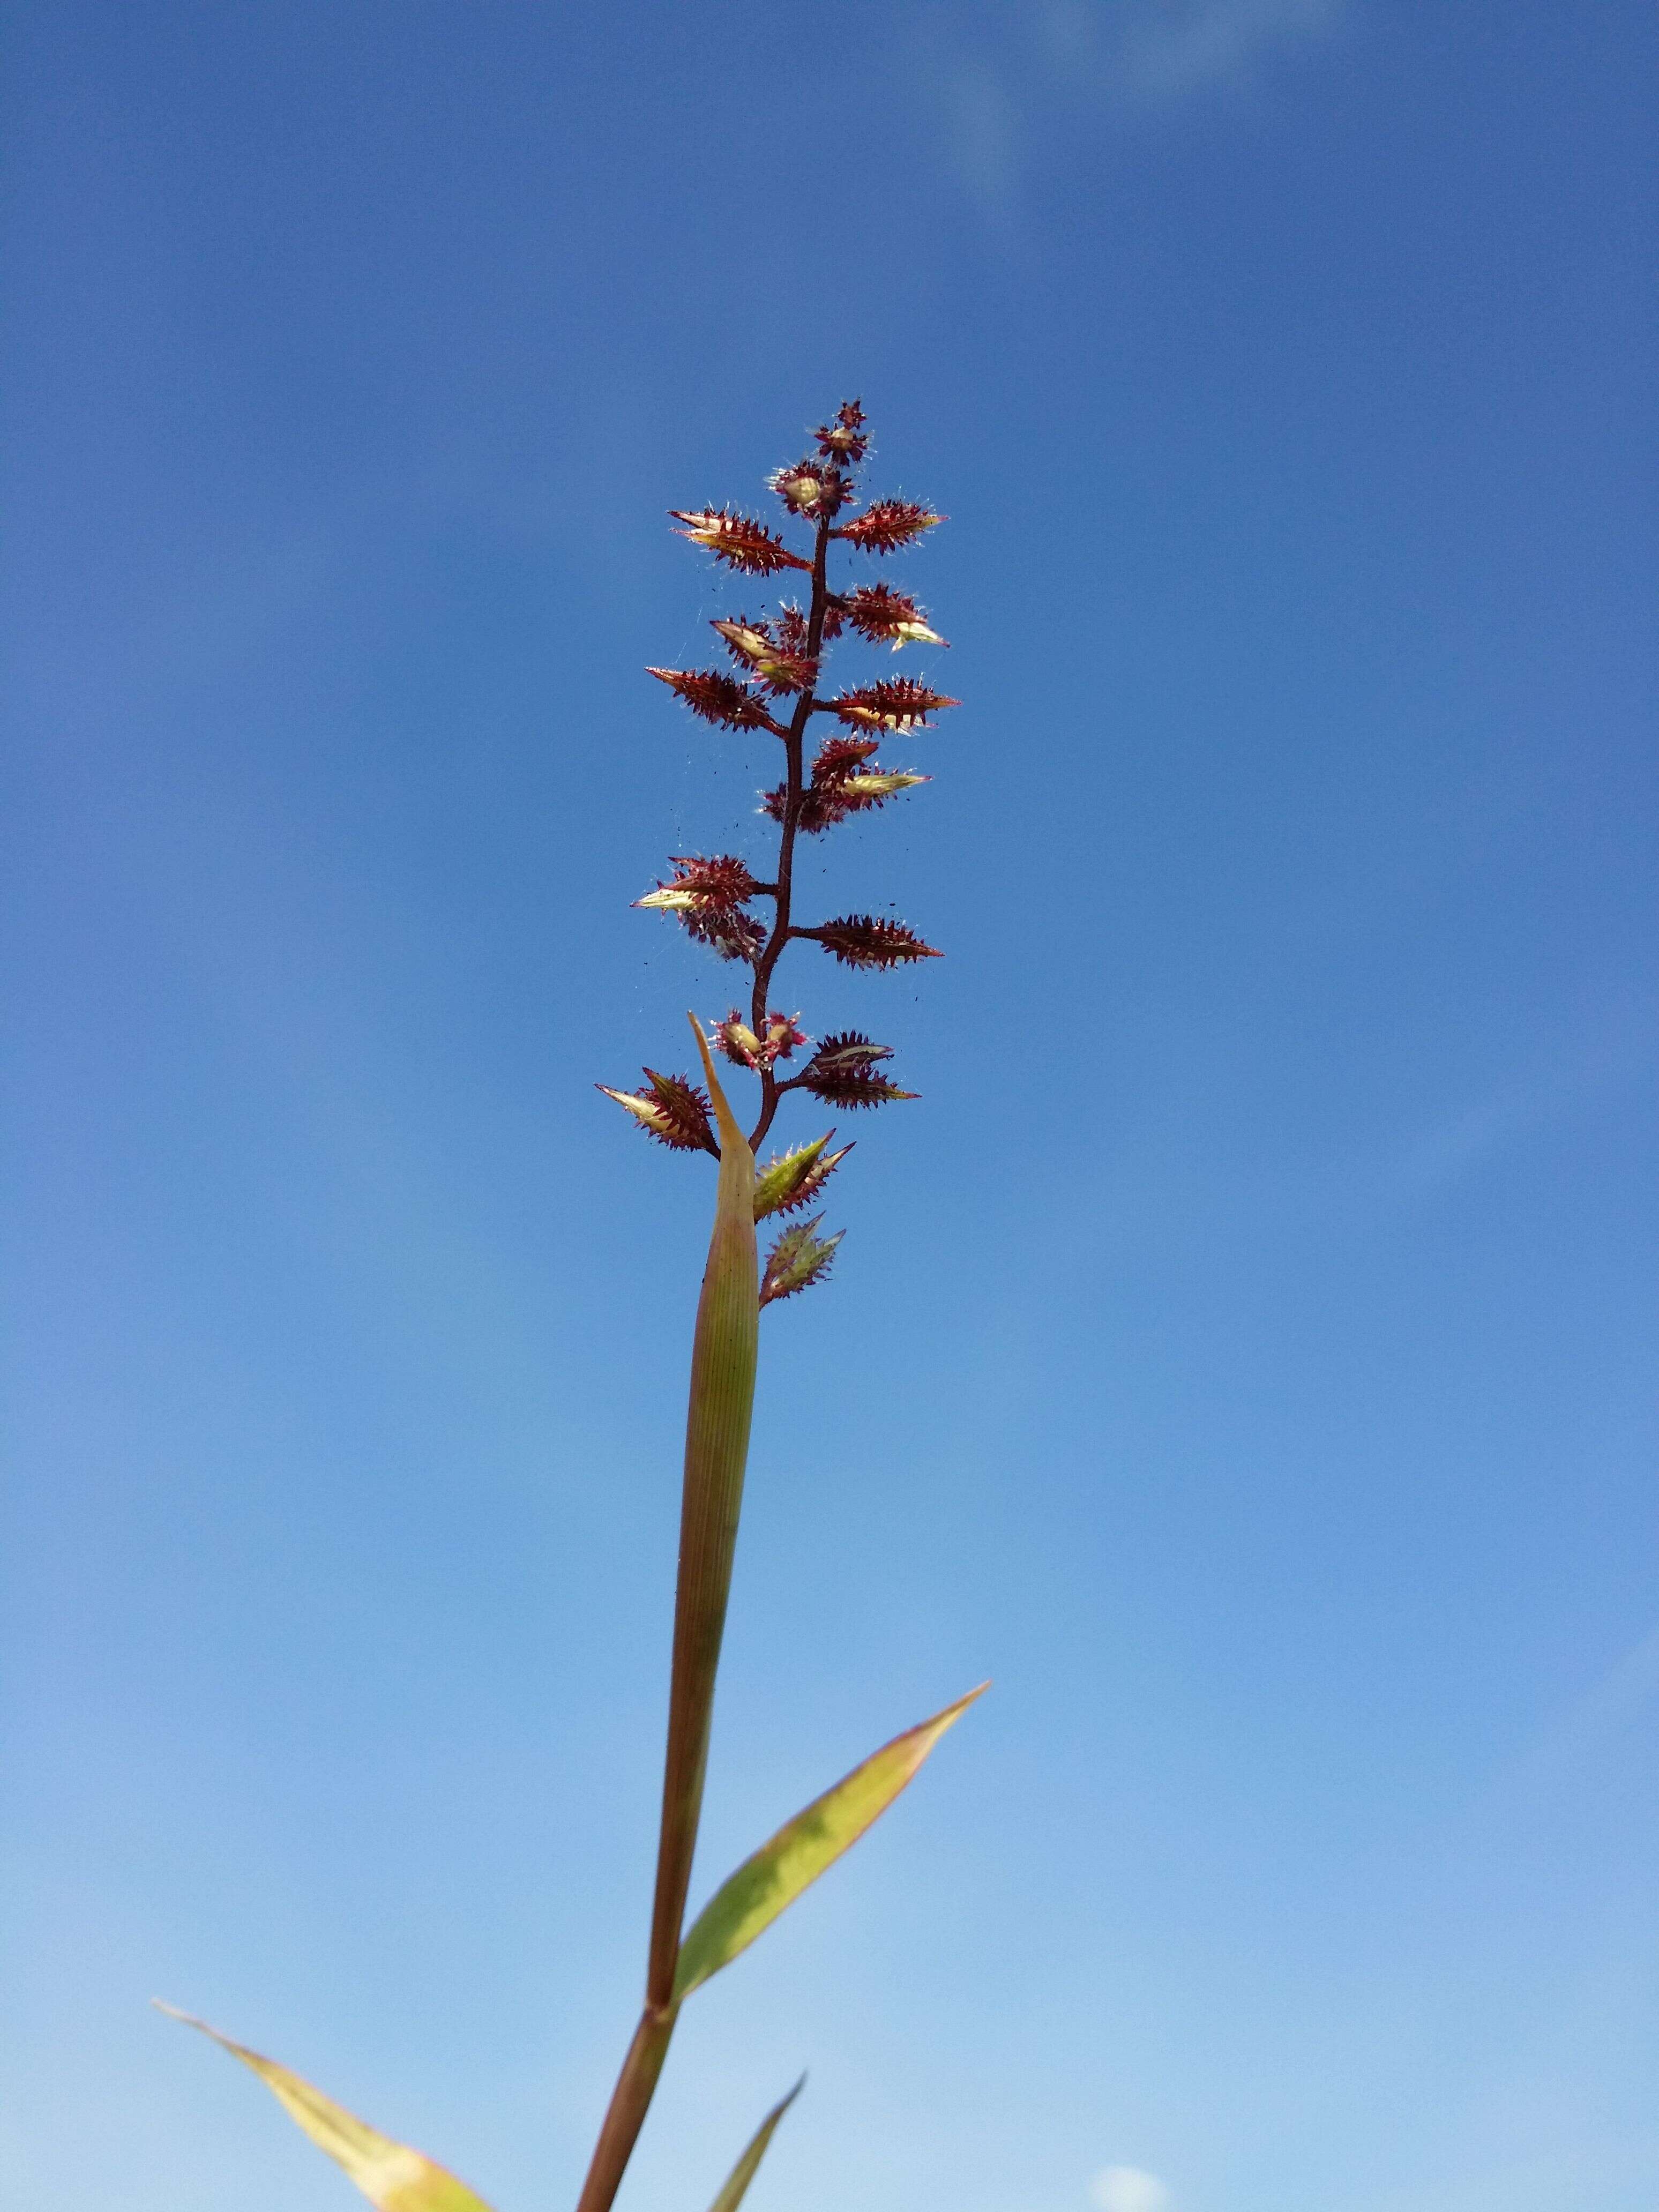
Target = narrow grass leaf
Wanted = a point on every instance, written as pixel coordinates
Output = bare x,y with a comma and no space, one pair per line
395,2178
764,1885
743,2171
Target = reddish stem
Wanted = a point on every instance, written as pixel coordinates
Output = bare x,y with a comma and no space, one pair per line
794,791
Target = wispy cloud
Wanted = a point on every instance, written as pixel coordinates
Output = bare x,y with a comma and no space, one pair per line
1104,53
982,132
1179,47
1129,2189
1604,1713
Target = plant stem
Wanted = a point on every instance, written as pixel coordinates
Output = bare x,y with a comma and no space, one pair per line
724,1351
630,2100
794,747
716,1450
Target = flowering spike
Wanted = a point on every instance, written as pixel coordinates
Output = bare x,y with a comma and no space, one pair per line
838,757
888,524
860,941
843,1072
783,1033
672,1110
743,544
727,931
738,1041
872,786
844,440
722,880
899,703
793,629
845,780
792,1179
885,616
798,1259
741,1046
811,487
707,896
753,644
717,697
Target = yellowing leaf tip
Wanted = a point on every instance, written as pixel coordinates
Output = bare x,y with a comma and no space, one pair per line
190,2020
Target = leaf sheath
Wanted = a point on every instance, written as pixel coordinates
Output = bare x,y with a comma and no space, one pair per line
723,1356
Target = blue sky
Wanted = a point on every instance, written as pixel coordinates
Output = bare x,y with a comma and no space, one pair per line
1243,1351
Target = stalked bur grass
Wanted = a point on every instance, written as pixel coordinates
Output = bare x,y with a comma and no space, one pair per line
771,685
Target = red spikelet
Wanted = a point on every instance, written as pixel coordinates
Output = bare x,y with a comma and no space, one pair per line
826,800
670,1108
744,1049
887,618
707,896
861,940
757,647
737,539
901,703
840,757
842,1071
717,697
888,524
721,879
844,440
845,781
729,931
811,487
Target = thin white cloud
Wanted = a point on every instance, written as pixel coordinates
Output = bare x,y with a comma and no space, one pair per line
983,138
1444,1152
1103,53
1606,1711
1129,2189
1175,47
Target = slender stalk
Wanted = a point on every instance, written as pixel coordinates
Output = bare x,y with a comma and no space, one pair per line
635,2086
723,1356
716,1450
795,744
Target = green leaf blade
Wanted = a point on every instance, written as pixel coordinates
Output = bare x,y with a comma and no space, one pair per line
737,2181
393,2178
770,1881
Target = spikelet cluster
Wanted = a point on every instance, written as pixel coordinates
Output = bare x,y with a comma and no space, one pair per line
771,687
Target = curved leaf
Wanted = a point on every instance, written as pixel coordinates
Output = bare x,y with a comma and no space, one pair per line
390,2176
765,1884
743,2171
